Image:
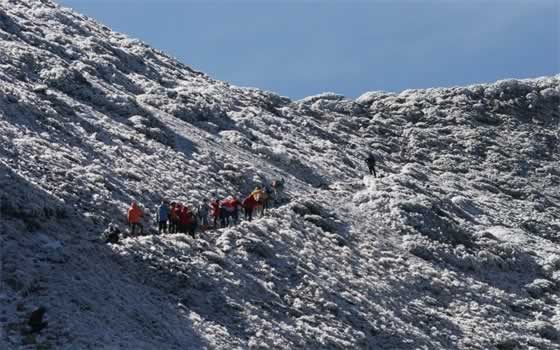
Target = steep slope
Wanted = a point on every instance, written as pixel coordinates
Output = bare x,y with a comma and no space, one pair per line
456,246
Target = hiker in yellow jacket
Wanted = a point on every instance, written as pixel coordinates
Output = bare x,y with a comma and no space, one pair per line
260,196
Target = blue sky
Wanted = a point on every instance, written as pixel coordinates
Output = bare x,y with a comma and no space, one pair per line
302,48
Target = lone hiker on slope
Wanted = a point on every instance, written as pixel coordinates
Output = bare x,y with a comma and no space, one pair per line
370,161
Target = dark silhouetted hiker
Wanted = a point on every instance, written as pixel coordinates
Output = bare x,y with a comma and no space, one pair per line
236,204
249,204
223,214
202,215
267,198
194,224
111,234
183,218
277,188
162,217
230,211
134,217
370,161
174,217
36,319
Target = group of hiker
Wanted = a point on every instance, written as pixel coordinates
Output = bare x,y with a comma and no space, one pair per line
176,217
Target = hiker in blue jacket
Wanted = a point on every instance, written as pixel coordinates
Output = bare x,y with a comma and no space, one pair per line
162,217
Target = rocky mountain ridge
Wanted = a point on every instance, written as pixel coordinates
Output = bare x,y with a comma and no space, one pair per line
455,246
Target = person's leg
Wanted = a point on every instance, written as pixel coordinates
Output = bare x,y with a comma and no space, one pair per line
191,230
250,214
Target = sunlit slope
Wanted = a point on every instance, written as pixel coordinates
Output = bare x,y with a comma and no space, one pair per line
455,246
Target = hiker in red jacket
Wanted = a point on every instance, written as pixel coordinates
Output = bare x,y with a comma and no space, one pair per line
186,220
226,210
134,217
237,205
249,205
174,217
215,211
230,211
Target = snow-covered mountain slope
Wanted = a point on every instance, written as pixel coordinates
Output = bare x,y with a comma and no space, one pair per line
457,246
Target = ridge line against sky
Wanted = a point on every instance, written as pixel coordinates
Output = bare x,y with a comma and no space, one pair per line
298,49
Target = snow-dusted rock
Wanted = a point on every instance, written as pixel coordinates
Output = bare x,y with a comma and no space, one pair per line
454,245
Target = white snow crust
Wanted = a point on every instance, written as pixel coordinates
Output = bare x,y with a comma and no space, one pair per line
455,246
